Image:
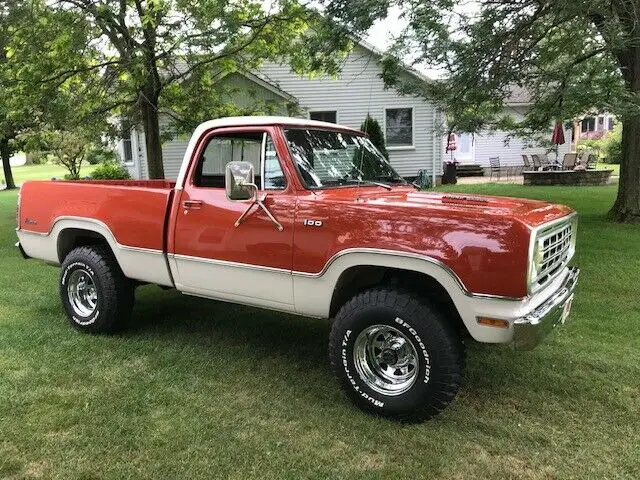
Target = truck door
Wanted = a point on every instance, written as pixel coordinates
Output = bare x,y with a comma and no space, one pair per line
250,263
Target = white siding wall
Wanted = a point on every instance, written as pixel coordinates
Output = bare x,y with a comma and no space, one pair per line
358,90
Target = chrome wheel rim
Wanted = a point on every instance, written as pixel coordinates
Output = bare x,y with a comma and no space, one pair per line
82,293
385,359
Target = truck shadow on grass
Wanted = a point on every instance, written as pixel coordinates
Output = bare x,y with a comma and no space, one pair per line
298,345
180,318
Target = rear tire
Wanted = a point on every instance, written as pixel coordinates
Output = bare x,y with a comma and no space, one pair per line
96,295
395,355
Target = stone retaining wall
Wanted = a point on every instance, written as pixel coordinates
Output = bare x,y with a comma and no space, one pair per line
567,177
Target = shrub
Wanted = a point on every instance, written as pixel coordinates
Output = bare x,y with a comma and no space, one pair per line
110,171
372,128
612,145
100,155
590,145
37,157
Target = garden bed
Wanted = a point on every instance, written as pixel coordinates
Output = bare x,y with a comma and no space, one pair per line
567,177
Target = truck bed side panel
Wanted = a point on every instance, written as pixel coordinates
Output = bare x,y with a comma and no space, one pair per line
131,218
135,215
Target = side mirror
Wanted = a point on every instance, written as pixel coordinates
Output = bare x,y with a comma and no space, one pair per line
239,183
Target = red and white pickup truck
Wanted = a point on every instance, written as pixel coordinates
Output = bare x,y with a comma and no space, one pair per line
309,218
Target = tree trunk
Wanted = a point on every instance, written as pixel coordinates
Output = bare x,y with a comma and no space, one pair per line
5,152
627,205
151,124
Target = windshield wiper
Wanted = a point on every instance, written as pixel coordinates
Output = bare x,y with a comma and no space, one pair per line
391,179
367,182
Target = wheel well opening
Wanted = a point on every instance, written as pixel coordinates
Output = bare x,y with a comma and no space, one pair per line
71,238
357,279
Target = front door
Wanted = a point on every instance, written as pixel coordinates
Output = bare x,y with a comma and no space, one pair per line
249,263
465,151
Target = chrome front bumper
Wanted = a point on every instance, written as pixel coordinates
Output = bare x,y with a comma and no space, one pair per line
533,327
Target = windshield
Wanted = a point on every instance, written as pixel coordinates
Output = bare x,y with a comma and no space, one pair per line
328,158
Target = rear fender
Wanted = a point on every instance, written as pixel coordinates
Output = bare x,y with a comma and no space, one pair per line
140,264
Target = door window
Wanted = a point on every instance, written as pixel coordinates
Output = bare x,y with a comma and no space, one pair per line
256,148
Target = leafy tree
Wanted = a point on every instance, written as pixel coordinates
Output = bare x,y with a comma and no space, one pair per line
11,120
570,56
69,147
35,42
150,46
372,128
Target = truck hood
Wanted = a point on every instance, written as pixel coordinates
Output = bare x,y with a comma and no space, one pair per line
530,212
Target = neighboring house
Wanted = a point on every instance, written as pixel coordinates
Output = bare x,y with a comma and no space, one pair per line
595,126
412,126
477,149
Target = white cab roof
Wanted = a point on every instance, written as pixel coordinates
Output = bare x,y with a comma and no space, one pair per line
246,122
267,120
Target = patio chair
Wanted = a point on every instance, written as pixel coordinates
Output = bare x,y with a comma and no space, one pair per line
547,164
592,161
569,161
526,164
494,166
537,164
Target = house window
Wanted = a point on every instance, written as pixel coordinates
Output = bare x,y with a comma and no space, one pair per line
612,123
399,127
588,124
330,116
127,149
601,123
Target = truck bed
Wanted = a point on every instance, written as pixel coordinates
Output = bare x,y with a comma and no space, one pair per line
134,211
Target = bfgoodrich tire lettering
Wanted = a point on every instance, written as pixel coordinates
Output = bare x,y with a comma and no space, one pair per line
435,351
96,295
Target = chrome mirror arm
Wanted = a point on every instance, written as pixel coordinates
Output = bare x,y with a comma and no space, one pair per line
258,200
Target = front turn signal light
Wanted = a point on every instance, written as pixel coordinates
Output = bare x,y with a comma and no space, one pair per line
493,322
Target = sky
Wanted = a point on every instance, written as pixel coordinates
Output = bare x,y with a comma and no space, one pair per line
382,31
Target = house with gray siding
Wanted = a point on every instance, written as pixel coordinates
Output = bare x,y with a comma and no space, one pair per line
412,126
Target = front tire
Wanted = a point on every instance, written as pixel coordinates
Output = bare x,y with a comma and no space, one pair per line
96,295
395,355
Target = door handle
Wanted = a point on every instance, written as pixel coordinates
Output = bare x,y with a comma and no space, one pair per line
192,204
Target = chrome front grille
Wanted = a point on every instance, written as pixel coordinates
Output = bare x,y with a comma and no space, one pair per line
555,250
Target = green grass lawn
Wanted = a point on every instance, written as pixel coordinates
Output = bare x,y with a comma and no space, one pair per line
43,172
609,166
201,389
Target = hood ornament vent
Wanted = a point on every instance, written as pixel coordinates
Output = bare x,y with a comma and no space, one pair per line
463,198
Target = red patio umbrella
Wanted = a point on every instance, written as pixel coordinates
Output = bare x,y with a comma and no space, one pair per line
558,134
557,138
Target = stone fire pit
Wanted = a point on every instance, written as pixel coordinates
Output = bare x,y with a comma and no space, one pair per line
567,177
